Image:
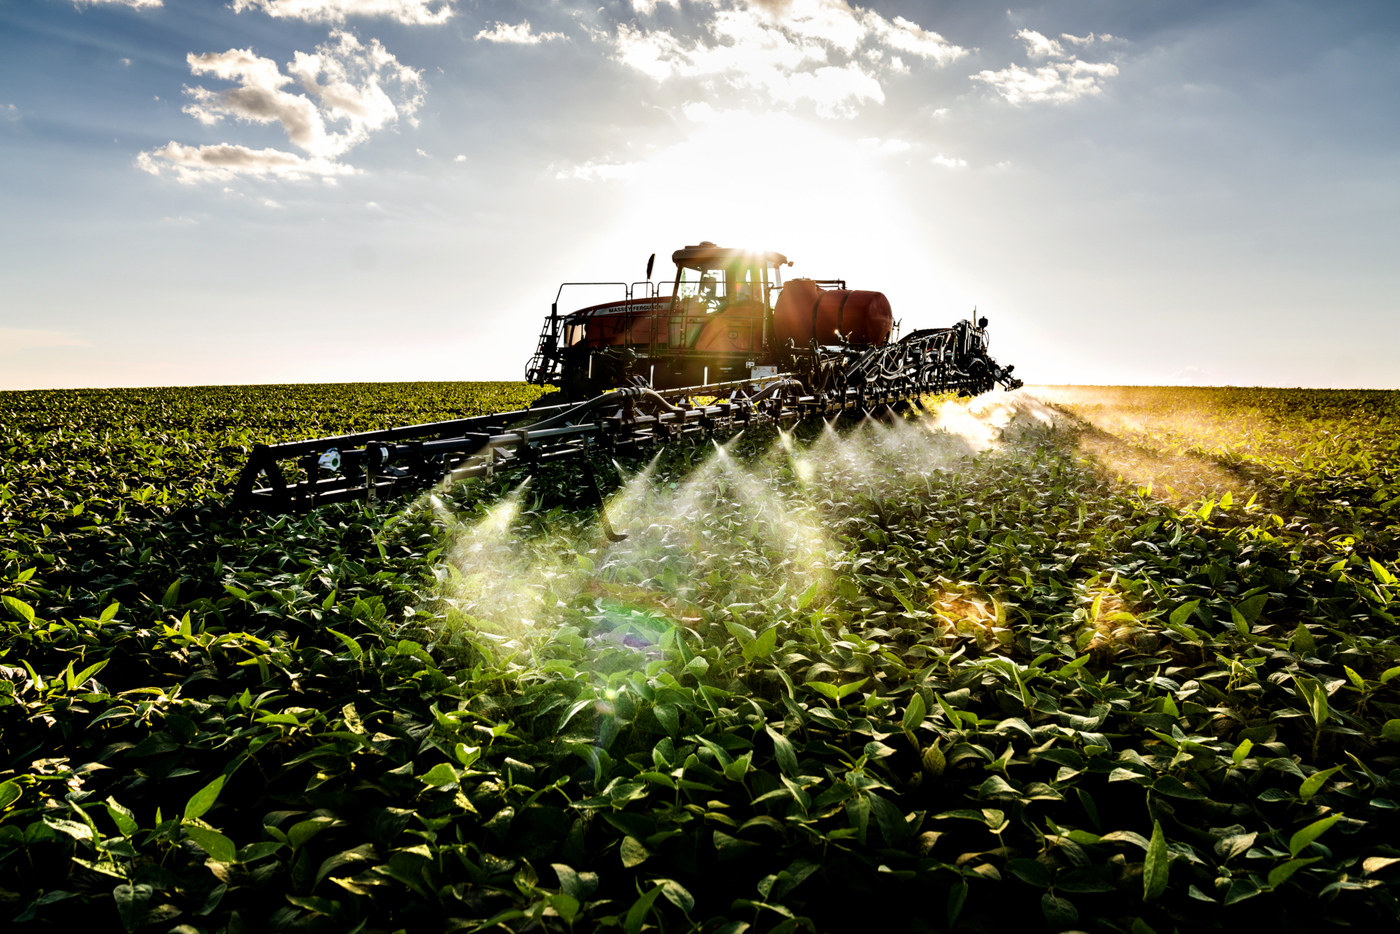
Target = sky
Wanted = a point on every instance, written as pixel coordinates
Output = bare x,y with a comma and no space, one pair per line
301,191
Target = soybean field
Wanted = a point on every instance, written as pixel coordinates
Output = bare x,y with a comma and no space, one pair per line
1064,659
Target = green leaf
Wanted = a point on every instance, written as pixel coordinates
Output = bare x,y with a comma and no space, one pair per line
1060,913
82,677
350,644
78,831
762,646
905,602
9,794
1183,612
1241,752
669,717
1318,705
893,827
439,775
1239,890
361,853
677,895
783,752
847,689
730,847
131,903
1279,874
1303,641
637,914
1250,607
633,852
1157,864
1030,871
18,608
256,851
303,831
828,691
914,714
1391,730
566,905
1074,666
1313,783
957,895
201,801
1301,840
123,818
172,596
1389,673
737,769
219,847
578,885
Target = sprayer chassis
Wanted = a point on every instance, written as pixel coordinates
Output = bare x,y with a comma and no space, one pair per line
830,381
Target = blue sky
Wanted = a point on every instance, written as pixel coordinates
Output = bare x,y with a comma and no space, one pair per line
346,190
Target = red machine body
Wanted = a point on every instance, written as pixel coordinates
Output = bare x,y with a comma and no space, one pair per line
728,315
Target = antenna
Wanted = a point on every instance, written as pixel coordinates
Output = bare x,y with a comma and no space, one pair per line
650,263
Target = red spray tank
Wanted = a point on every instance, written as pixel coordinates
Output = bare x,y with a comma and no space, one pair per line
805,311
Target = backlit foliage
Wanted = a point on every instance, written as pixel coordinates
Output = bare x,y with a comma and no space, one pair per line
870,678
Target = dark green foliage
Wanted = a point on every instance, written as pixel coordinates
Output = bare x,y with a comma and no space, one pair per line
1143,716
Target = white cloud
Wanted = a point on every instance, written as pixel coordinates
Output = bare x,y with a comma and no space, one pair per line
134,4
459,158
910,37
14,340
602,171
951,162
269,203
223,162
422,153
698,111
1058,83
126,62
408,12
9,112
1086,40
344,82
518,35
648,7
1037,46
886,147
796,50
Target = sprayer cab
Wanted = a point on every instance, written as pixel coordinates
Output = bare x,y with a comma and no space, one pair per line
712,322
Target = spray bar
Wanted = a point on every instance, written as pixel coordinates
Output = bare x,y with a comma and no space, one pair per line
301,475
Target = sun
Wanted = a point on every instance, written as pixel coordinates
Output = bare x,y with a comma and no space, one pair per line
773,181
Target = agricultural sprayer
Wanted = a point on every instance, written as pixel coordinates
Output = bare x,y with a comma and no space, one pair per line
726,344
